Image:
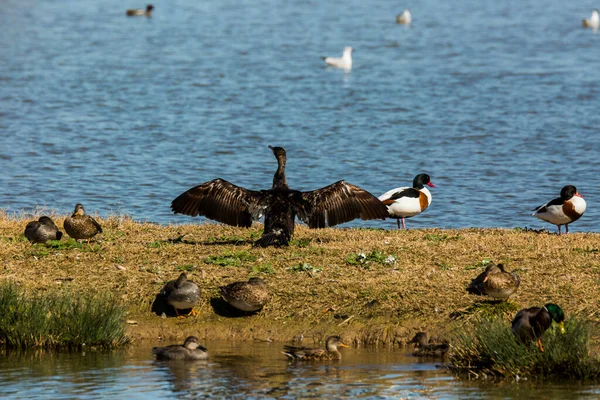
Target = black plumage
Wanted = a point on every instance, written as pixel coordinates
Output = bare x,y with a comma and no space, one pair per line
233,205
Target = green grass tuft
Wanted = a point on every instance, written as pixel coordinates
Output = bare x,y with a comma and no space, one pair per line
230,258
489,348
59,319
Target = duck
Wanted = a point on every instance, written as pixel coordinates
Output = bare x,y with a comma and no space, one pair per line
563,210
248,296
343,62
190,350
405,202
81,226
593,22
140,12
496,282
330,352
404,18
42,230
530,323
182,294
331,205
425,348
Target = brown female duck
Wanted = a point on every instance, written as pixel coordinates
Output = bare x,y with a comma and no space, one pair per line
233,205
81,226
42,230
330,352
496,282
190,350
140,12
248,296
425,348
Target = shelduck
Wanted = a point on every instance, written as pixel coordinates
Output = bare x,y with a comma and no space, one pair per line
405,202
563,210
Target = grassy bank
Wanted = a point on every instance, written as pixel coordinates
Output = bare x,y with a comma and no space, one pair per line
380,286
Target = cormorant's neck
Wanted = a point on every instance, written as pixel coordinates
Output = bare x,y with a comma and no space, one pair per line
279,180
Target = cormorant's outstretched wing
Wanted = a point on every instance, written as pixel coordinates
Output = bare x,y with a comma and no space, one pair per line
338,203
222,201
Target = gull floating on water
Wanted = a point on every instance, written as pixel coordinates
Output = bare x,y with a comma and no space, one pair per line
344,62
593,22
404,18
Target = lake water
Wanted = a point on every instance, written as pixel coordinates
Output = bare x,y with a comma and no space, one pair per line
498,102
252,370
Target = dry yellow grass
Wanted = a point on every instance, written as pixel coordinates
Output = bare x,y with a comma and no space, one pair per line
376,302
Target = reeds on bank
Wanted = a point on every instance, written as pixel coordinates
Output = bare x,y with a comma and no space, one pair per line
59,319
488,348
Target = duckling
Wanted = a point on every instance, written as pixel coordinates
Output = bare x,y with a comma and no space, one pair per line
182,294
330,352
190,350
495,282
530,323
424,347
81,226
248,296
42,230
139,12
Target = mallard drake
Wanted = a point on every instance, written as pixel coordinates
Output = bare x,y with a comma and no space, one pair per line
343,62
404,18
182,294
495,282
233,205
330,352
405,202
81,226
593,22
140,12
42,230
563,210
190,350
530,323
248,296
425,348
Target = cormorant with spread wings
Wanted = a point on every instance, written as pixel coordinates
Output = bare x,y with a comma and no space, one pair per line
234,205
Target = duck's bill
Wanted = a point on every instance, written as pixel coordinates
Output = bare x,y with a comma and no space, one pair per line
561,325
343,345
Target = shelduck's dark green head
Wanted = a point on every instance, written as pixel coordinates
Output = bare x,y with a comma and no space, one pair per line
557,315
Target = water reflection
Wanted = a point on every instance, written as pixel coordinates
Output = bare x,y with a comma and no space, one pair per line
251,370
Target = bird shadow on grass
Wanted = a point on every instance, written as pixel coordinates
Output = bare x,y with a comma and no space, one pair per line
487,308
213,241
161,307
224,309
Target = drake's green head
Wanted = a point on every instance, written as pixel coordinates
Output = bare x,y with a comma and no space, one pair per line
557,315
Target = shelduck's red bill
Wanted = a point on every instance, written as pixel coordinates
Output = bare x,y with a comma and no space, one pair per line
430,184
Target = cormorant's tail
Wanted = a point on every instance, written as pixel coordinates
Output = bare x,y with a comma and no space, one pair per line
273,238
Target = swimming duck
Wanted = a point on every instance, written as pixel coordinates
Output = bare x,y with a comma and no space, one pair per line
233,205
593,22
405,17
530,323
139,12
343,62
182,294
248,296
563,210
81,226
190,350
405,202
425,348
495,282
42,230
330,352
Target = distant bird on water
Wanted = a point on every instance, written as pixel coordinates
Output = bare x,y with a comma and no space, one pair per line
424,347
330,352
404,18
182,294
140,12
593,22
42,230
495,282
563,210
233,205
343,62
190,350
530,323
405,202
81,226
248,296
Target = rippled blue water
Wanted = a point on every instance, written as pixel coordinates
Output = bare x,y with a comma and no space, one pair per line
497,101
253,370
